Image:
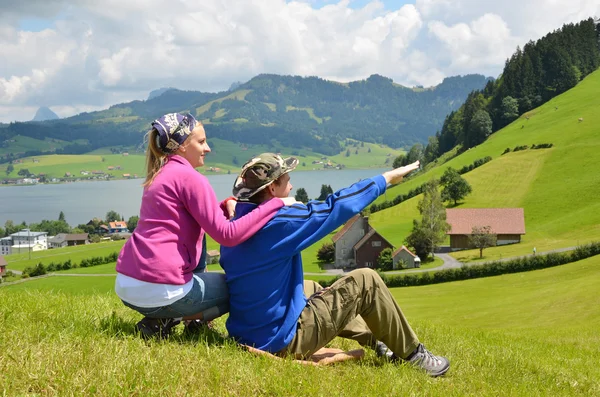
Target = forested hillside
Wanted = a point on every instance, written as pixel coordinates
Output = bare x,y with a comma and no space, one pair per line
532,76
275,110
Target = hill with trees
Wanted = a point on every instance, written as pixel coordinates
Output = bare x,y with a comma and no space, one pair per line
532,76
298,112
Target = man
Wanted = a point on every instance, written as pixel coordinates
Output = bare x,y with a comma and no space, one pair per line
268,306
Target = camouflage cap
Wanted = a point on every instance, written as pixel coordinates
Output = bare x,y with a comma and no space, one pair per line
260,172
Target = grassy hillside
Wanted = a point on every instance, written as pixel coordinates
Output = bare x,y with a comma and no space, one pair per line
513,335
557,187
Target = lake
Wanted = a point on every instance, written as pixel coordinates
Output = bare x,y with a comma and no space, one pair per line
82,201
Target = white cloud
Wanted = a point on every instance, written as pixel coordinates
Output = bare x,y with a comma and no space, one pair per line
98,53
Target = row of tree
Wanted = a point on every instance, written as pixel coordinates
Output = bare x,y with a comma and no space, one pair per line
302,196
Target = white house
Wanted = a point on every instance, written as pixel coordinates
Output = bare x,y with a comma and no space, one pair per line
27,240
5,244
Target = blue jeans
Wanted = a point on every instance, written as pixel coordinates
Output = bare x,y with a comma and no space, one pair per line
208,296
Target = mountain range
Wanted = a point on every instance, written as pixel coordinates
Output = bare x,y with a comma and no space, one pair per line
276,110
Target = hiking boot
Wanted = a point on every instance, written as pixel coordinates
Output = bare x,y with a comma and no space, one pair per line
433,365
384,352
194,326
156,327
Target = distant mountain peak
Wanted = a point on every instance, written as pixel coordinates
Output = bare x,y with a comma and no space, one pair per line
44,113
158,92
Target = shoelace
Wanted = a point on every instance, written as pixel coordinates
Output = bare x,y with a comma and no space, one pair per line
429,357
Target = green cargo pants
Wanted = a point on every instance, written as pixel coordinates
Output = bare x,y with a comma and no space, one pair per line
358,306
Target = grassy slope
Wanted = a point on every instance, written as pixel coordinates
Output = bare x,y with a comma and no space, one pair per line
519,334
557,187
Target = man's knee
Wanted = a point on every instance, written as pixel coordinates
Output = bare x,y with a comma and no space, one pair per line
364,272
310,287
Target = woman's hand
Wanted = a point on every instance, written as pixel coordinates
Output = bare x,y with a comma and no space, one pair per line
395,176
230,209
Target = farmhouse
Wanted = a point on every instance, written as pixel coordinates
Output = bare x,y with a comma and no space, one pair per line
68,240
404,258
117,227
212,256
507,223
357,244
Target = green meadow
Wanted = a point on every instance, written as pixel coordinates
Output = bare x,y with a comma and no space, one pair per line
557,187
75,254
513,335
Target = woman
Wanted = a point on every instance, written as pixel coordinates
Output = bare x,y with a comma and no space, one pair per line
161,268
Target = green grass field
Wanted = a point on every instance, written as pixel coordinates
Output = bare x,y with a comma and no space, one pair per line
76,254
558,187
514,335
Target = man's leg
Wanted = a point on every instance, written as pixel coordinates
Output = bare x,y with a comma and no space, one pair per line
360,293
356,329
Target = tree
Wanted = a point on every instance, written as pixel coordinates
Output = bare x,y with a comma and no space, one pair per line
10,168
23,172
431,150
479,129
326,190
347,152
418,241
112,216
455,187
11,228
301,195
415,153
482,237
326,254
431,231
132,222
51,227
61,216
384,260
400,161
509,109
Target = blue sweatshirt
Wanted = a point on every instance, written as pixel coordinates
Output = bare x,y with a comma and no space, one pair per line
264,274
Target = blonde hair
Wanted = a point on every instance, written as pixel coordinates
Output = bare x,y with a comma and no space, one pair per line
155,157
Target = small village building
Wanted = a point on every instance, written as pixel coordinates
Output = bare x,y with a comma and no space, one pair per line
68,240
358,245
212,257
3,265
367,250
117,227
26,240
5,245
404,258
507,223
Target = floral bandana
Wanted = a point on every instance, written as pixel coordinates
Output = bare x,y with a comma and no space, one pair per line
173,129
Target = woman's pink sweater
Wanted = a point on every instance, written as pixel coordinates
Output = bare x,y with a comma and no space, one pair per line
177,209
